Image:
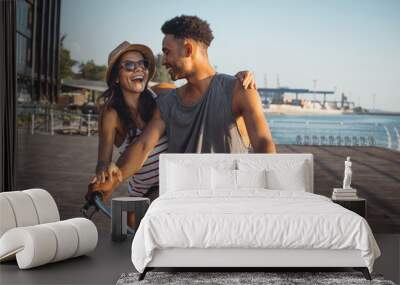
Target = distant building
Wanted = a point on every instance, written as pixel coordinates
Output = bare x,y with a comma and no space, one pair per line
285,95
37,49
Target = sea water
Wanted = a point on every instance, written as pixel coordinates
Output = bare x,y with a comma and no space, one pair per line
350,130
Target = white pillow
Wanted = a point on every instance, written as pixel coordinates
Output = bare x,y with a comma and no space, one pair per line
223,179
188,177
291,178
251,178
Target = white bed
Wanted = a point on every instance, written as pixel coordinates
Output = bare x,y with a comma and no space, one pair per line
247,210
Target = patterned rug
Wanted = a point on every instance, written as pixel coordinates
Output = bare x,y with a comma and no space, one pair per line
243,278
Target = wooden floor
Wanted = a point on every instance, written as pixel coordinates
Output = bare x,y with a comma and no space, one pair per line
63,165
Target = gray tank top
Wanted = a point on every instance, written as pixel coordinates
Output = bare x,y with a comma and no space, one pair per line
208,126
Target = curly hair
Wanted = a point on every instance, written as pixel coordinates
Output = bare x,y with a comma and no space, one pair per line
189,27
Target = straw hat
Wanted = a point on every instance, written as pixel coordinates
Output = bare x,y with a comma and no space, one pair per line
125,47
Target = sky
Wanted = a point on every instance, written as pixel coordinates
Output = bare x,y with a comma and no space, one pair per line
349,46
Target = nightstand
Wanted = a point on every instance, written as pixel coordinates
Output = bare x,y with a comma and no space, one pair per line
358,205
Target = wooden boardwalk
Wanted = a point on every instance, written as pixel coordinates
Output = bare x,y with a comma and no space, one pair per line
63,165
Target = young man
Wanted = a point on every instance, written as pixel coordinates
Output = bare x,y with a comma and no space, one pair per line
211,113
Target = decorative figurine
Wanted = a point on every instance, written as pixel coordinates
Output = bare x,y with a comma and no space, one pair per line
347,174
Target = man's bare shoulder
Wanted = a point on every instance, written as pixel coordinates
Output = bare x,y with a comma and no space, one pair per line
243,98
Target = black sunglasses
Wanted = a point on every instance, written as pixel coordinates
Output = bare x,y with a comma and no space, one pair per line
130,65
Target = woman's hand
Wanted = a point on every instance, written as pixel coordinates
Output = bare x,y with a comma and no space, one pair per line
106,189
113,172
104,172
112,178
247,79
101,172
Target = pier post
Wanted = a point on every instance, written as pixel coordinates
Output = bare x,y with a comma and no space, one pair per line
88,125
32,123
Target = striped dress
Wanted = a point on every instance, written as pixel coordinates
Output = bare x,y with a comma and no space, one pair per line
147,177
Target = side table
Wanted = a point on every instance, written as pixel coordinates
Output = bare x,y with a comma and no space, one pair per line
120,207
358,205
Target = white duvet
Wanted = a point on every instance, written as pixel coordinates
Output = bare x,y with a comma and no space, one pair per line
252,218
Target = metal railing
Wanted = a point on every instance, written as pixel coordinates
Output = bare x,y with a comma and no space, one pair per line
335,133
50,121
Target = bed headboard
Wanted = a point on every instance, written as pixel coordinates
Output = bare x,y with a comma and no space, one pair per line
233,160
